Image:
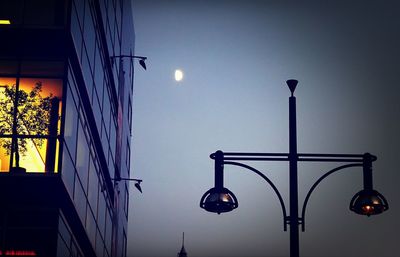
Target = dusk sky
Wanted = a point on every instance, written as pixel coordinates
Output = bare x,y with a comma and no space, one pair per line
236,57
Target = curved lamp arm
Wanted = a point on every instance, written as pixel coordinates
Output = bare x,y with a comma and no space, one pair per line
270,183
303,212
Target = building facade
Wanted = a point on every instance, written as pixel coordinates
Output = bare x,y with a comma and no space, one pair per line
65,126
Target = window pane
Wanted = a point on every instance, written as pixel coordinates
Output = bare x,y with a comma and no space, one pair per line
82,157
39,105
80,200
99,244
76,30
108,236
5,145
93,187
32,154
62,248
71,123
91,226
68,172
101,214
6,121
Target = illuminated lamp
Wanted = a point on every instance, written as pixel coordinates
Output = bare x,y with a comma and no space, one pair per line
218,200
368,202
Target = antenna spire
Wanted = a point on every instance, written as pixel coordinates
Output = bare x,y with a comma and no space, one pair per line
183,252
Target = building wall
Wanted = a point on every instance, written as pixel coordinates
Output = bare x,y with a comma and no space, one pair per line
85,38
97,30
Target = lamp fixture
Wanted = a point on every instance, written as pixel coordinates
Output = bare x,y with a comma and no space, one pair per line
142,59
219,199
137,184
366,202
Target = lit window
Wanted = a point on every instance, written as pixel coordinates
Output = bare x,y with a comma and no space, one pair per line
28,136
5,22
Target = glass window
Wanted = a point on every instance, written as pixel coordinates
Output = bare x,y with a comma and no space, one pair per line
103,8
87,73
33,128
99,244
130,115
106,110
76,31
89,34
113,139
128,156
80,9
93,190
101,214
99,71
74,249
118,11
104,138
71,123
62,248
97,110
91,226
117,39
111,164
126,201
63,230
82,157
68,172
80,200
109,228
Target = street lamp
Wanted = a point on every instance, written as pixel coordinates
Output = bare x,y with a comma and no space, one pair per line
220,199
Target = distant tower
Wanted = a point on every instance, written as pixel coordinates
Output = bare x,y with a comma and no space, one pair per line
183,253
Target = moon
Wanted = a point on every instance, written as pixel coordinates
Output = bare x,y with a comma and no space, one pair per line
178,75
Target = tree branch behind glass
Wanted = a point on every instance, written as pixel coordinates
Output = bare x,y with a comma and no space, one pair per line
31,117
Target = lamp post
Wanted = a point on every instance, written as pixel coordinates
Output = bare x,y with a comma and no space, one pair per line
220,199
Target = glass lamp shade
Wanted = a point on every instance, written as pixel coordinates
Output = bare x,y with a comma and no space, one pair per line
218,200
368,202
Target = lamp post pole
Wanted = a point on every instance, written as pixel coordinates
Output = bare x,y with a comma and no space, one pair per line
293,183
220,199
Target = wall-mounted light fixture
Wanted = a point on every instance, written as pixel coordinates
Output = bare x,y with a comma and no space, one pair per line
137,184
142,59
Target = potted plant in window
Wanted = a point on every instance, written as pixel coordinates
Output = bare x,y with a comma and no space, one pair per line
24,116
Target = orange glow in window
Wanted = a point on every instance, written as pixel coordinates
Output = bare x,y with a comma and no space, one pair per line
34,116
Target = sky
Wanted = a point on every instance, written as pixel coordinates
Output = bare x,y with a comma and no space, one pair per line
236,57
